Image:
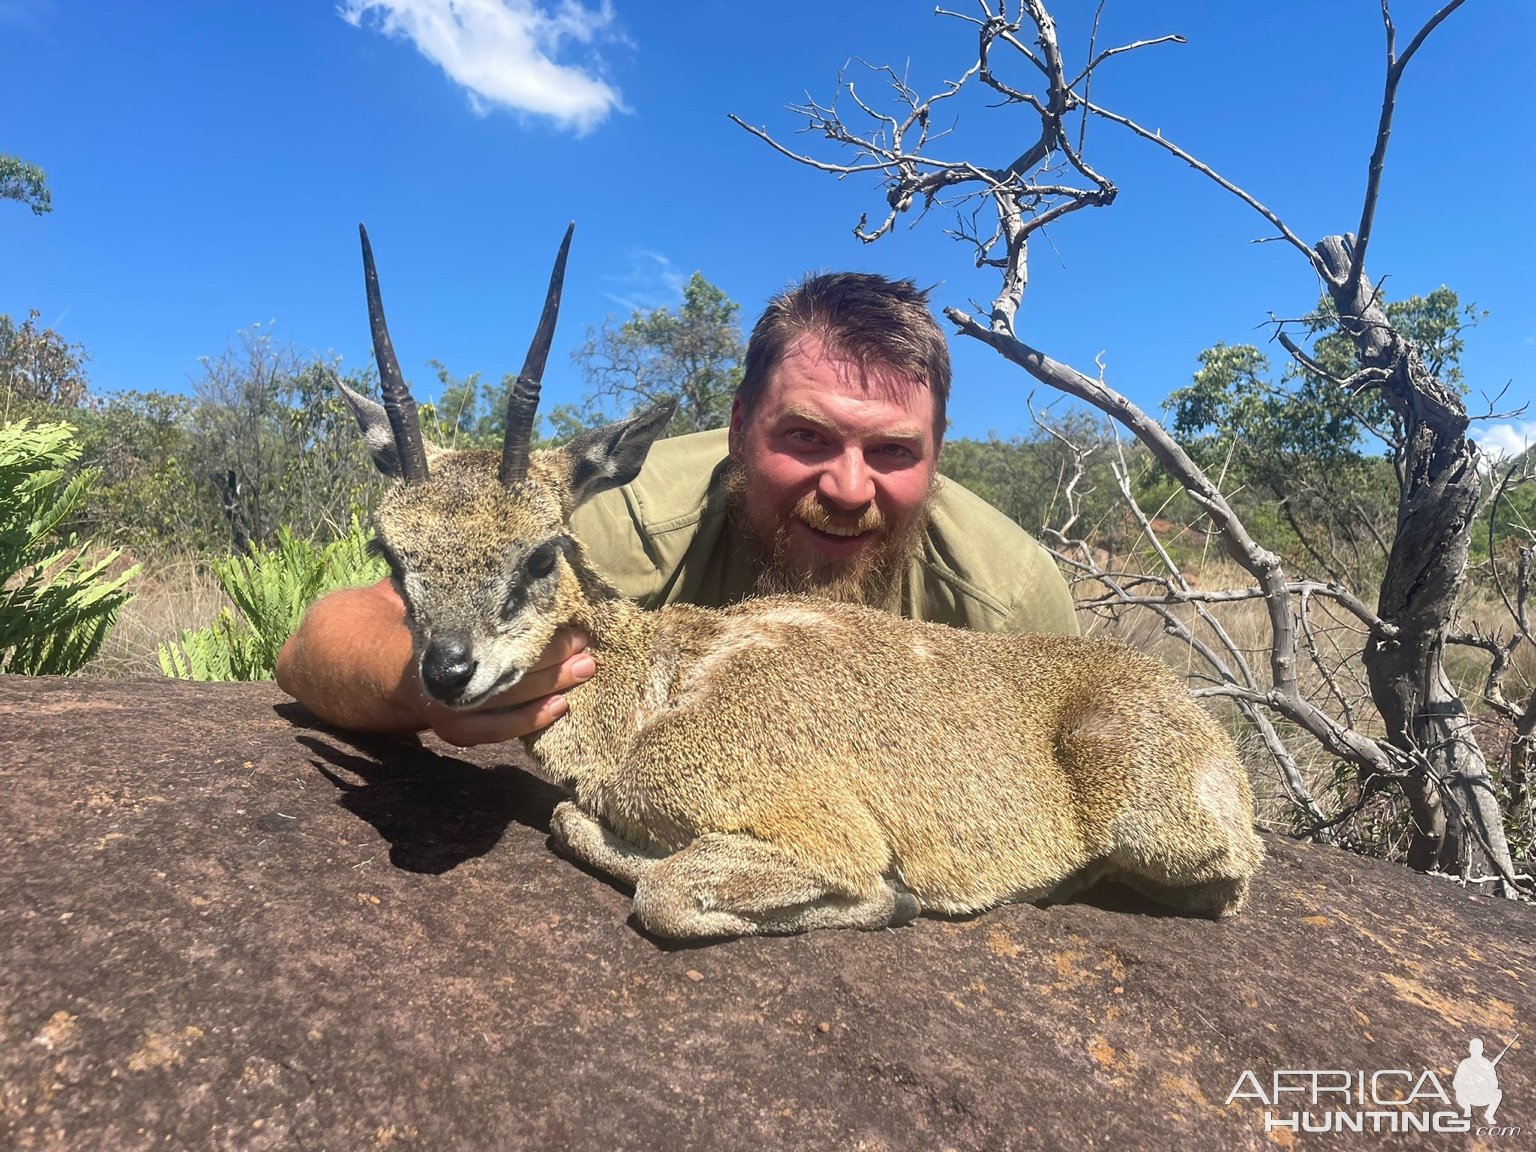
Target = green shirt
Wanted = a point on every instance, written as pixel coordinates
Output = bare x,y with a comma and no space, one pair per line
663,539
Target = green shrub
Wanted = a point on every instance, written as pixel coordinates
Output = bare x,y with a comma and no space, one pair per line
271,588
56,601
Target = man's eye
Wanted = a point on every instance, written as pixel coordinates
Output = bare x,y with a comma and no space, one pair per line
897,452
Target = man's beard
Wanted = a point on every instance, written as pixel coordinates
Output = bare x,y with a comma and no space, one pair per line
871,577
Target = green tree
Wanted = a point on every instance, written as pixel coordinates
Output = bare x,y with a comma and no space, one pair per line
264,441
25,182
39,369
466,412
149,497
1305,412
691,354
272,443
1307,458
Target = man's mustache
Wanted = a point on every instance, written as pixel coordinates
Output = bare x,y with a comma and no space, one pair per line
810,510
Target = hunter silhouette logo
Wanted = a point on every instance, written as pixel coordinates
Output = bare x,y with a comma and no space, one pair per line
1384,1100
1476,1083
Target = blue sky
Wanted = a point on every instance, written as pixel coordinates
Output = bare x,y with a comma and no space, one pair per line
210,161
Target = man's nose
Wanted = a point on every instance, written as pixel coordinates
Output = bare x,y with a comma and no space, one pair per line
846,482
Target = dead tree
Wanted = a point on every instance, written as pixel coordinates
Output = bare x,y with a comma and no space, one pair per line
1511,572
1427,750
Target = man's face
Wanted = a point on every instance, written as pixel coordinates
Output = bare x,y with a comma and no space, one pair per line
836,467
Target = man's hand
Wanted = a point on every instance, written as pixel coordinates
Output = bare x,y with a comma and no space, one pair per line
532,703
351,664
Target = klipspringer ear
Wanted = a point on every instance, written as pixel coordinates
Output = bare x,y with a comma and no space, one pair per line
611,456
373,419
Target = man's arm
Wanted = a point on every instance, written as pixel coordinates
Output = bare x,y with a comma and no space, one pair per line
350,663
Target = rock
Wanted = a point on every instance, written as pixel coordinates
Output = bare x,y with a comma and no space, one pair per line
222,926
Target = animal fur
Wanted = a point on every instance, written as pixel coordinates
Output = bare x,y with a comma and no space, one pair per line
790,763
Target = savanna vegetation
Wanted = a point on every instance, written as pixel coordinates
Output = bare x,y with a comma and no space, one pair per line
1316,541
240,501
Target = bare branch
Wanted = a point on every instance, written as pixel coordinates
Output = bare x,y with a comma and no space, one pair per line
1377,166
809,161
1518,472
1265,567
1303,588
1355,382
1329,680
1205,170
1087,72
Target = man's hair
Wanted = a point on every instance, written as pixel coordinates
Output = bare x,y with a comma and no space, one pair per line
882,325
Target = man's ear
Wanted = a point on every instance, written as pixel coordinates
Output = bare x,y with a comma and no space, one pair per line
377,434
611,456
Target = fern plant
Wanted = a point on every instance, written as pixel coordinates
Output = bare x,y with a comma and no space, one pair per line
271,588
57,602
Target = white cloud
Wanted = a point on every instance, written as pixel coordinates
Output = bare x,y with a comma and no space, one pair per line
1506,441
502,52
645,281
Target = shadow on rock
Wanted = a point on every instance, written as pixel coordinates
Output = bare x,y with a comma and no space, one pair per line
1112,896
436,811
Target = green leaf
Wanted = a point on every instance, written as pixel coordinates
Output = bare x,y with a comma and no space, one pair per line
57,601
272,588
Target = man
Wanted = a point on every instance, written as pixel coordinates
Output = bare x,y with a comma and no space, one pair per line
826,481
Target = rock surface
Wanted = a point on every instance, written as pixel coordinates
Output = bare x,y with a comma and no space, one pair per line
224,927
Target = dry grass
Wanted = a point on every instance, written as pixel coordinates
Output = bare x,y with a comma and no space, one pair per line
170,595
1381,828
